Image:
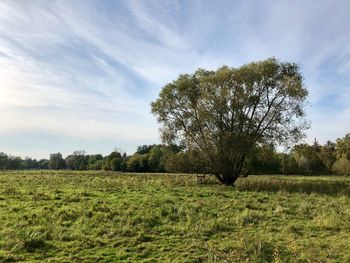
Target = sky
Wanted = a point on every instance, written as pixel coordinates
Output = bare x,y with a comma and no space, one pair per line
80,75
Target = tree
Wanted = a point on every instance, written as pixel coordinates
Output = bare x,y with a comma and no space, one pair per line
70,162
77,160
262,160
138,163
328,155
29,163
154,157
3,160
190,161
309,158
113,161
56,161
95,162
342,165
176,162
343,147
224,113
115,164
342,150
143,149
288,163
43,164
13,162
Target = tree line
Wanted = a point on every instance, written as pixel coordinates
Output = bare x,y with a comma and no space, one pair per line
308,159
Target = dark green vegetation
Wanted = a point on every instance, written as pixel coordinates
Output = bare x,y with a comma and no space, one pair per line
330,158
65,216
225,113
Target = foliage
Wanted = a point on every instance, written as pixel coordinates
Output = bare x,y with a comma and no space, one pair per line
343,147
143,149
342,165
309,157
328,155
262,160
77,161
8,162
191,161
138,163
95,162
56,161
330,158
113,162
224,113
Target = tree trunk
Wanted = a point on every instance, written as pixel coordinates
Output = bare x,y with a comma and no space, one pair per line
227,179
228,172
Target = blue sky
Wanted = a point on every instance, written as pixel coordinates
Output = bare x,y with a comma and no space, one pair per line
81,74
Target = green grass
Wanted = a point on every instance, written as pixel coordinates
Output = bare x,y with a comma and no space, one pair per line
109,217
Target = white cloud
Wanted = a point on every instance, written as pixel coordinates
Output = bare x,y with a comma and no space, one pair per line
77,69
45,88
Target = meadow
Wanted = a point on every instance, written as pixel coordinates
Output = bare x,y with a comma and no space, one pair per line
65,216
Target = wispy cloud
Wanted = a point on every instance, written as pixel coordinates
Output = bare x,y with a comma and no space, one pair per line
89,69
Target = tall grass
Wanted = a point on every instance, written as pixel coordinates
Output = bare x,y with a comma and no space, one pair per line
50,216
325,185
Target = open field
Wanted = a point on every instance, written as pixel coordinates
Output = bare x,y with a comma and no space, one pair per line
108,217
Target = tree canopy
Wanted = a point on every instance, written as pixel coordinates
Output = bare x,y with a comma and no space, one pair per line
224,113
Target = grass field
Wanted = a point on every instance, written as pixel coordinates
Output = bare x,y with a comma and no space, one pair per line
108,217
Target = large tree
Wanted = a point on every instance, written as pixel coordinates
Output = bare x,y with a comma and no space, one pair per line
224,113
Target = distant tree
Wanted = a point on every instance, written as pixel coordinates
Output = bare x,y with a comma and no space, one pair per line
29,163
328,155
263,159
13,162
95,162
3,160
150,158
288,163
79,160
224,113
342,165
176,163
304,163
342,152
156,156
124,166
70,162
343,147
56,161
309,158
113,162
143,149
190,161
138,163
133,164
43,164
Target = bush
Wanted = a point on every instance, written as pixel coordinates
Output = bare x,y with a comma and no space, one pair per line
342,166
